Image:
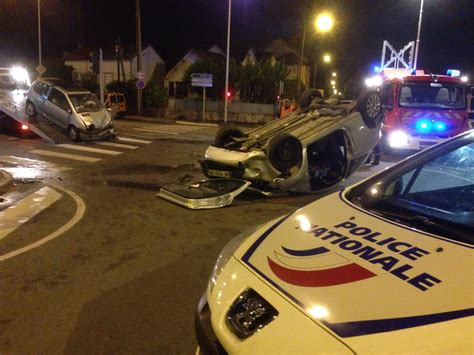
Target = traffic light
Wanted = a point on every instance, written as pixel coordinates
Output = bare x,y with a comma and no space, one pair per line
95,60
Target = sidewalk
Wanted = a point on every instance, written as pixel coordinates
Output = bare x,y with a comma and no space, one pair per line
6,181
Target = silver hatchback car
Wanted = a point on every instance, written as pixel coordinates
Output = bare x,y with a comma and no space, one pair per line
76,110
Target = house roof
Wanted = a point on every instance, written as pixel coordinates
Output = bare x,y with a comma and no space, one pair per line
281,50
108,52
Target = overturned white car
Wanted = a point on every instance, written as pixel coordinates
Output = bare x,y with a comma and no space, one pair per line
310,150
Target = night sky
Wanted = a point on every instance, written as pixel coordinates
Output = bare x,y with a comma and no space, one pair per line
173,26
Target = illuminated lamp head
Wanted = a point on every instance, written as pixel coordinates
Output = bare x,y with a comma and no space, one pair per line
440,126
423,126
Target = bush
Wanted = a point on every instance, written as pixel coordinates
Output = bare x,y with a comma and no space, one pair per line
155,96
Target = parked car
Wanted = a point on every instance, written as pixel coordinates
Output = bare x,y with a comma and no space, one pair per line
382,266
75,109
116,100
310,150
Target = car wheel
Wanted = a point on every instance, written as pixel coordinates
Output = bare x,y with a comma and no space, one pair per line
226,136
369,104
308,96
74,134
30,109
285,151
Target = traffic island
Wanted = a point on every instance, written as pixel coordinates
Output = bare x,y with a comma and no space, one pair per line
6,181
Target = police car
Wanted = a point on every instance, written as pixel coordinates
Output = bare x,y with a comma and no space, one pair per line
383,266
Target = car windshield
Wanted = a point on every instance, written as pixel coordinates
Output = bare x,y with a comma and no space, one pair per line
436,195
432,95
85,103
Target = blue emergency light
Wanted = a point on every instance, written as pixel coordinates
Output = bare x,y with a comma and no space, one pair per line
425,125
440,126
454,73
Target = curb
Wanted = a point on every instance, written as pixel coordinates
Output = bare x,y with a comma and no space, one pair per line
6,181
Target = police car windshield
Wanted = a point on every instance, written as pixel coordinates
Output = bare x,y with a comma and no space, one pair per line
432,95
85,103
436,196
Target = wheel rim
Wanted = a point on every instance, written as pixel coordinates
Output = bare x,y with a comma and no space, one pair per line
72,134
29,109
373,106
285,153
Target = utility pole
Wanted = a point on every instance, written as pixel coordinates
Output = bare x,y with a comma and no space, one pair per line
226,99
139,53
418,36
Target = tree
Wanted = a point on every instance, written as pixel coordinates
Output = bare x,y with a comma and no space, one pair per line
259,82
155,96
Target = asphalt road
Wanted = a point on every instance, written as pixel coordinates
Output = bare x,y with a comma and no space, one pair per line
91,261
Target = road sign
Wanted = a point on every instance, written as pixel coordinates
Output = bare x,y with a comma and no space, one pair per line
201,80
41,69
140,75
140,84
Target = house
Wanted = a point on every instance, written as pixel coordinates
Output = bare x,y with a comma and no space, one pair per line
174,78
280,50
153,65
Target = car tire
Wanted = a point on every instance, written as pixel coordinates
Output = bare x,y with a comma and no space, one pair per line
74,134
369,105
226,135
308,96
30,109
284,152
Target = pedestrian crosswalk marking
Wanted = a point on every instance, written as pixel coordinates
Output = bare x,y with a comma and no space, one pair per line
173,128
155,131
133,140
65,156
88,149
15,216
118,145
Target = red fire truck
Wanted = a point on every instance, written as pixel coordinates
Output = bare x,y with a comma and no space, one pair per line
422,109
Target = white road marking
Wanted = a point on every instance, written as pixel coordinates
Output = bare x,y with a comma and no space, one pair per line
119,145
88,149
133,140
172,128
20,213
198,124
65,156
155,131
80,210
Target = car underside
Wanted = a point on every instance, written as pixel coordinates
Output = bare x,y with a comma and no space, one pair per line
310,150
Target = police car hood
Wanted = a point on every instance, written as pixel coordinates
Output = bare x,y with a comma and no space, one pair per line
358,274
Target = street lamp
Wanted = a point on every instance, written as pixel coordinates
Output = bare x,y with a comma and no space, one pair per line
327,58
324,22
227,62
334,75
333,82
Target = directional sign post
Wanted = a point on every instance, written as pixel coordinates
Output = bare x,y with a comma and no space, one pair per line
204,81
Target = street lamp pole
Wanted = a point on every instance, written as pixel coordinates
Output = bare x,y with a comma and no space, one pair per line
40,57
418,36
139,53
227,63
300,65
